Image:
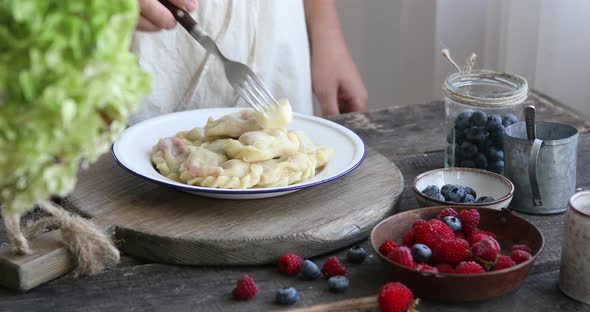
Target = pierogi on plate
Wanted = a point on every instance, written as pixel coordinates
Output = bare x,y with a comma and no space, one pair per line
246,149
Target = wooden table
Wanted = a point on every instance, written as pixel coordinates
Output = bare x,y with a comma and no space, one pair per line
412,136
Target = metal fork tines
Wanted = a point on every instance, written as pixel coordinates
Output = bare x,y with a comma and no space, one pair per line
241,77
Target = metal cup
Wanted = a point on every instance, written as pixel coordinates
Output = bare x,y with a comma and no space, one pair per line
574,273
543,170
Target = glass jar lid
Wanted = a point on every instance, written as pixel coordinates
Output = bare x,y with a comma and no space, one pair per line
486,88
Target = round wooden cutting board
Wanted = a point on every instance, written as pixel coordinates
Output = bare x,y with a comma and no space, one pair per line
165,225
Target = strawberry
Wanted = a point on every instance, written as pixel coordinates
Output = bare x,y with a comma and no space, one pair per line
469,267
396,297
408,238
451,251
520,256
445,268
402,255
432,232
523,248
486,249
333,267
290,263
387,247
425,268
477,235
469,220
245,288
503,262
419,223
447,212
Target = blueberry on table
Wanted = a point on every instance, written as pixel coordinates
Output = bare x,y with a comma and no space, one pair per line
309,271
468,150
481,162
453,222
468,199
485,199
421,253
356,254
495,154
286,296
338,283
479,118
509,119
496,166
467,164
471,191
455,194
494,123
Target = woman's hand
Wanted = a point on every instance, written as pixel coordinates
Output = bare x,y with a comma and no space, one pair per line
335,79
154,16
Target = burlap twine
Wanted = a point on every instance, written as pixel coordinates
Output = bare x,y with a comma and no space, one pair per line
93,251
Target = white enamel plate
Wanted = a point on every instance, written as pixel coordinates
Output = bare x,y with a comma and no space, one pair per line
132,151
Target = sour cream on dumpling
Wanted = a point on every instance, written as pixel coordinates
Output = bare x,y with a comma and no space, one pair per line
276,116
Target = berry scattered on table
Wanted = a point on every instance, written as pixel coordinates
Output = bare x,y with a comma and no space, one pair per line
338,283
469,267
452,251
402,255
453,222
387,247
245,288
356,255
309,271
447,212
289,264
469,219
396,297
520,256
333,267
503,262
522,247
286,296
421,253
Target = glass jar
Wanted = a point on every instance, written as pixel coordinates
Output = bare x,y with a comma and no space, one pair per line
478,106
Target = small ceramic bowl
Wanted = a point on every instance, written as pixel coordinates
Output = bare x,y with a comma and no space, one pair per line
509,229
484,183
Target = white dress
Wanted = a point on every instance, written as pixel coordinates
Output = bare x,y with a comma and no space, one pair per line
269,36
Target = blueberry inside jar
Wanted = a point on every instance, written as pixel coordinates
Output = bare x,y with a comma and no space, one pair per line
479,105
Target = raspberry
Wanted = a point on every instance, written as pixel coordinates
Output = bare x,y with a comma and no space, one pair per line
396,297
469,267
245,288
432,232
520,256
523,248
387,247
447,212
460,235
425,268
408,238
445,268
332,267
503,262
419,223
477,235
290,263
469,220
402,255
486,249
451,251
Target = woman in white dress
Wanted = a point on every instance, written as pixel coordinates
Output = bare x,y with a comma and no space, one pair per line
295,46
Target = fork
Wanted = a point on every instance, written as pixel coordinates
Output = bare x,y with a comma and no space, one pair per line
240,77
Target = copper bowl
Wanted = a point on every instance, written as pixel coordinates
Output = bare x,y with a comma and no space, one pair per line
509,229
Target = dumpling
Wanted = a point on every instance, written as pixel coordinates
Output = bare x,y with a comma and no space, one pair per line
262,145
216,146
287,170
233,174
321,153
276,116
194,136
168,155
201,162
232,125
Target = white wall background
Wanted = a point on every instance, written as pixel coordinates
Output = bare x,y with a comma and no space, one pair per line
397,44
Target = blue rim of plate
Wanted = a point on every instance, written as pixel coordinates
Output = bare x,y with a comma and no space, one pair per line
244,191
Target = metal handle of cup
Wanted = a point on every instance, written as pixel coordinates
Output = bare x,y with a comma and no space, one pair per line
533,161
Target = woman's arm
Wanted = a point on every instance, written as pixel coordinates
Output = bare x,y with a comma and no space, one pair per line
154,16
335,79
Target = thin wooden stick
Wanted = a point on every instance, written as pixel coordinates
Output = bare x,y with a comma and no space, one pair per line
349,305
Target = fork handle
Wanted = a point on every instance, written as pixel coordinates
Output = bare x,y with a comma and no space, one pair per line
183,17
